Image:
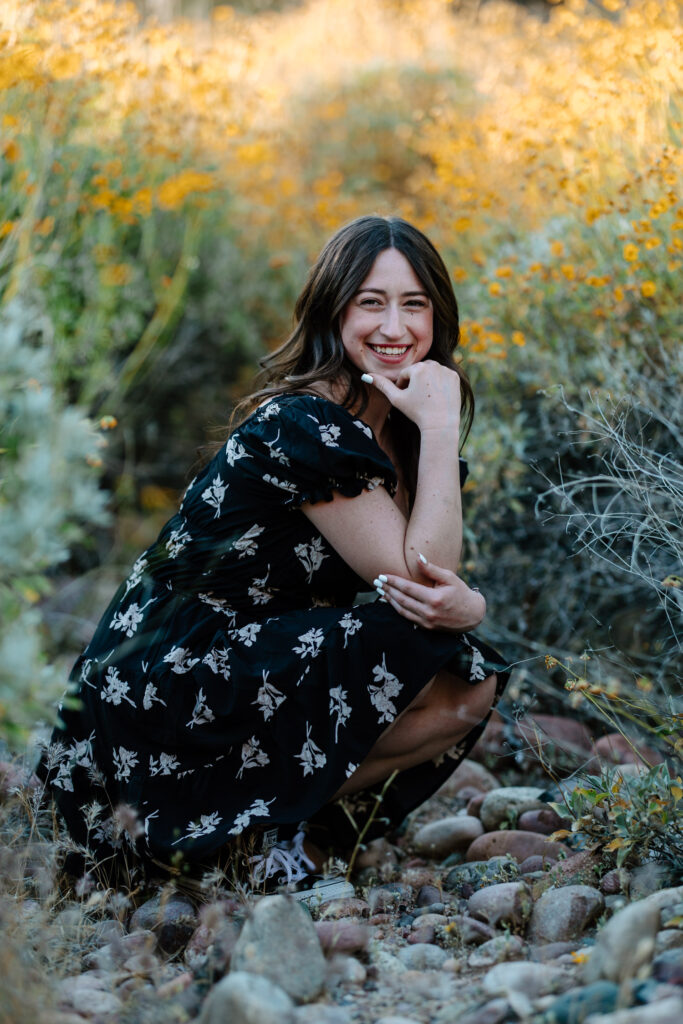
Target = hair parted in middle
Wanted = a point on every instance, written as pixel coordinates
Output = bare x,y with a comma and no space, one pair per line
314,351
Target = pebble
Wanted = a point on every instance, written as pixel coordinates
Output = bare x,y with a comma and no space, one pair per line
473,806
378,854
439,838
245,998
468,878
668,938
423,957
550,950
468,773
615,748
495,1011
342,936
428,895
545,821
615,881
668,967
533,980
495,951
563,914
425,920
626,943
319,1013
470,931
94,1002
665,1011
389,896
506,904
344,970
385,961
430,908
649,878
396,1020
171,918
423,934
568,737
349,906
516,843
279,941
574,1006
506,803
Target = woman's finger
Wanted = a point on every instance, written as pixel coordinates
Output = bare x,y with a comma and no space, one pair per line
407,614
419,591
435,572
405,602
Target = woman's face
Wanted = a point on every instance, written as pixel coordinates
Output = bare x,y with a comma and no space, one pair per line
388,324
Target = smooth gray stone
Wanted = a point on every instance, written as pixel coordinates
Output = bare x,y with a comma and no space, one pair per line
506,803
244,998
422,956
564,914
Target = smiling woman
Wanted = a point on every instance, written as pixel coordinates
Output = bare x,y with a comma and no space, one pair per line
234,694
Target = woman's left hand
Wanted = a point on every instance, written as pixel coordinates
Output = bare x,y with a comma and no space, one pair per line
445,603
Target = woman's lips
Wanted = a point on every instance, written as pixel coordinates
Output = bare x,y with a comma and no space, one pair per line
390,353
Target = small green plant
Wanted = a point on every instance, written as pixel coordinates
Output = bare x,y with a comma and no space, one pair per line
632,817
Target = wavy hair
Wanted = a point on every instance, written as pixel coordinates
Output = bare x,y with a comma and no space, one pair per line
314,351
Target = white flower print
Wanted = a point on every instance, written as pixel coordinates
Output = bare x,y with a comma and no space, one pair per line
217,660
215,493
207,823
136,573
164,766
350,769
130,619
268,697
259,809
150,698
310,643
180,660
311,556
380,696
349,625
277,453
339,707
219,604
329,432
246,634
85,672
246,544
178,540
124,761
116,689
477,669
311,755
269,411
371,482
189,487
364,427
235,451
201,713
252,756
284,485
259,592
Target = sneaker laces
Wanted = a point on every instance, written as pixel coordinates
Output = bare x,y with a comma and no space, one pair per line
287,856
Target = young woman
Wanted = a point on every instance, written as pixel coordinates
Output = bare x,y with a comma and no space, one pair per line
233,688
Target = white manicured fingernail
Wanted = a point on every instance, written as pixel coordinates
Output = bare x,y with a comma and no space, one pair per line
378,582
366,378
382,578
380,591
422,558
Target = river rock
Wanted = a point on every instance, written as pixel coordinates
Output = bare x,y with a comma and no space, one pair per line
567,737
342,936
617,749
93,1002
648,878
495,1011
422,957
470,931
533,980
668,967
440,838
319,1013
574,1006
279,941
625,945
495,951
389,896
506,803
428,896
245,998
516,843
464,879
668,938
664,1011
508,904
172,918
563,914
543,820
473,807
468,773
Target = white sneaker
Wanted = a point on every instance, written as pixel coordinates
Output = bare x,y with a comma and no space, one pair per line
286,864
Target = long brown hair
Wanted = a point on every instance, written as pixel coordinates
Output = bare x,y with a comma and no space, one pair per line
314,350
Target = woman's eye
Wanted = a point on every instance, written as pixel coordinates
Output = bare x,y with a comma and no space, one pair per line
416,304
372,303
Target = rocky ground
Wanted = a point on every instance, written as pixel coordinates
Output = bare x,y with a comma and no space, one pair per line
473,915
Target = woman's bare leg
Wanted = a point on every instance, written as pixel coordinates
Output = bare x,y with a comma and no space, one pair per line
440,716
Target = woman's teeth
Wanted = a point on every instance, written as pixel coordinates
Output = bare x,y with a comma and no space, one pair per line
390,350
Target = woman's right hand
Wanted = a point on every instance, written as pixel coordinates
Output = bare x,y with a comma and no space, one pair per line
427,393
444,603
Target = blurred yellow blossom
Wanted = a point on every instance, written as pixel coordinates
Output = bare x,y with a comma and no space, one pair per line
116,274
648,289
630,252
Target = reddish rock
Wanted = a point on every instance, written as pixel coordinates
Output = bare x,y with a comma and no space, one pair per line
561,915
616,749
468,793
516,843
615,881
352,906
468,773
535,863
427,895
425,933
564,734
342,936
440,838
474,806
545,821
506,904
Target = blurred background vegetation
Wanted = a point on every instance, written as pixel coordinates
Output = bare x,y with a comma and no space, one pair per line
168,169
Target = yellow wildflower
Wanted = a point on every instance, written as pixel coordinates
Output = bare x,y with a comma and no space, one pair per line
652,242
557,248
619,293
569,271
6,228
504,272
116,274
174,191
495,288
459,274
518,339
630,252
108,422
648,289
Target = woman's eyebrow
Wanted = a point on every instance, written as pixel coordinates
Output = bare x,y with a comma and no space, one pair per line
380,291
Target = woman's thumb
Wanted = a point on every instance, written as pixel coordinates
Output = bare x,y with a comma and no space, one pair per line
383,385
434,572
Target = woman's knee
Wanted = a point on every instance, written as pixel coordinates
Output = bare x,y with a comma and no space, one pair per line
461,706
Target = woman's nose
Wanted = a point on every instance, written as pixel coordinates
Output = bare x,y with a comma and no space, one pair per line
392,325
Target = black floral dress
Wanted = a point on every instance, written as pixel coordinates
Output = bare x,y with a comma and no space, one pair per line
232,682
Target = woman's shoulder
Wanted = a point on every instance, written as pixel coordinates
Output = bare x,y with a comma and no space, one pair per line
305,407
